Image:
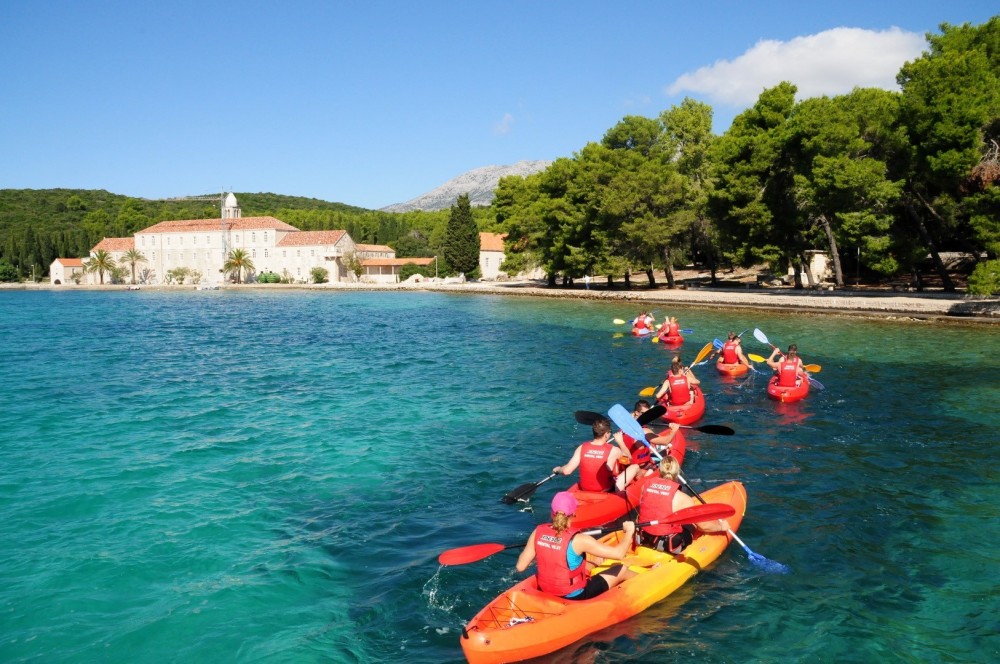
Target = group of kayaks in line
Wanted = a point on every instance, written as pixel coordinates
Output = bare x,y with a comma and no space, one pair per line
791,380
586,580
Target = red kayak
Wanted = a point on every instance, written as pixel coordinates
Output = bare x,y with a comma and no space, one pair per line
671,340
596,508
687,413
737,369
787,394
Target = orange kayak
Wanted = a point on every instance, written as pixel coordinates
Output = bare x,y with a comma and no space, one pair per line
523,622
787,394
737,369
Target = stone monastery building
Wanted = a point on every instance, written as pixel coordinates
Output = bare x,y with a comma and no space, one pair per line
203,245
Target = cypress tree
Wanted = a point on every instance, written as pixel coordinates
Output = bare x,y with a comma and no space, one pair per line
461,248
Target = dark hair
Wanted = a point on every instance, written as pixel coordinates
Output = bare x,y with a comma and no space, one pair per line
602,425
640,403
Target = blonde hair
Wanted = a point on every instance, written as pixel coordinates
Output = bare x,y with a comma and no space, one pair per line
560,522
669,467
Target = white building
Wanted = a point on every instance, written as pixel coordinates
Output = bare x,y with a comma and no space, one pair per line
66,271
491,254
203,246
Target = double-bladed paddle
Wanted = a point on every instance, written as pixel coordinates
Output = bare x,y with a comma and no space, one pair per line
705,512
588,417
524,491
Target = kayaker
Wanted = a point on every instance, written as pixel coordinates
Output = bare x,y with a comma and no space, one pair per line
732,351
678,384
560,551
660,496
642,324
597,460
669,441
788,367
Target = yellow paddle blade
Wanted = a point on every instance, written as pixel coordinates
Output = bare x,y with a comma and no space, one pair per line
703,353
812,368
656,338
755,358
647,392
618,321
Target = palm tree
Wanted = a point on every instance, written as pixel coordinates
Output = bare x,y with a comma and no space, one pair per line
131,257
100,263
238,262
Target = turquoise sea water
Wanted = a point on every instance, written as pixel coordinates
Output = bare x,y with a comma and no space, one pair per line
269,477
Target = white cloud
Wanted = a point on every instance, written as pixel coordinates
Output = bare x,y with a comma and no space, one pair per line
503,127
832,62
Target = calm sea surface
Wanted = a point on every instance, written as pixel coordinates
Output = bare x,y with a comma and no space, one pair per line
269,477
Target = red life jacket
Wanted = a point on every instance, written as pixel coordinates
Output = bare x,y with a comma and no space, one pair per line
637,450
554,575
680,393
656,502
788,373
674,330
729,355
640,324
594,472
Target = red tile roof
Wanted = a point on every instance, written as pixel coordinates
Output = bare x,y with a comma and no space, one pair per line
305,238
238,224
115,244
491,241
70,262
372,247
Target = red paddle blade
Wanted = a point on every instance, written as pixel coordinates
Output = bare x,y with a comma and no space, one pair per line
469,554
701,513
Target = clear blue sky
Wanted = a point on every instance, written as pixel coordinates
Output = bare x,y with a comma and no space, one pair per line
372,103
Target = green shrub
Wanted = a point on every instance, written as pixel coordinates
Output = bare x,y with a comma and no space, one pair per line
410,269
319,275
985,279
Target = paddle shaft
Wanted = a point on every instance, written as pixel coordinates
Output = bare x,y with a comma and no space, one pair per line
697,495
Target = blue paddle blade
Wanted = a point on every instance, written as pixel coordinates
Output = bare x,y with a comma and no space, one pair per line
717,344
815,383
766,564
759,336
624,421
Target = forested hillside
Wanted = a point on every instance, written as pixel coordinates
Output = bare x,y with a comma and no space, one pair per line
39,225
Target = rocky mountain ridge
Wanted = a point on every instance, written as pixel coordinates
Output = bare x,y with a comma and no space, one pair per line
478,183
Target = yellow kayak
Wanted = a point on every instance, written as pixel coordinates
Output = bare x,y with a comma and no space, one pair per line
523,622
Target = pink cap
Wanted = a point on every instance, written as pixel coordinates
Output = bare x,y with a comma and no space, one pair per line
564,502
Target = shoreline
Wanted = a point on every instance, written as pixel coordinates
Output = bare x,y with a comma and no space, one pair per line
937,307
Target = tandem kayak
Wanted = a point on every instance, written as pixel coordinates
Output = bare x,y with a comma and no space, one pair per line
596,508
524,622
640,331
787,394
737,369
686,413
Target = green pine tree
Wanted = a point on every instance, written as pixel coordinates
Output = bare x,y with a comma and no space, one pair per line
461,248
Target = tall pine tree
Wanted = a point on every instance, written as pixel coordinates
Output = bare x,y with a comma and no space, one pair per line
461,248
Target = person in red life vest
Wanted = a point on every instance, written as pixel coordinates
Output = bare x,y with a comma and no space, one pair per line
643,324
597,460
788,367
638,455
660,497
677,384
559,550
732,351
